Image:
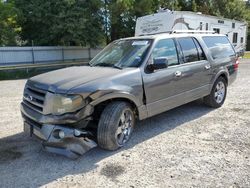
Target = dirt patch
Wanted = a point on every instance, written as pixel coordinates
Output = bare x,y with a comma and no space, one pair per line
8,155
112,171
239,110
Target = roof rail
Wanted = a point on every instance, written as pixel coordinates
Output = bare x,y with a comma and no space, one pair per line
169,32
193,31
182,31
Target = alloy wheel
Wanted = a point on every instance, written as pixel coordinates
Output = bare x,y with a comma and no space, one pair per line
124,129
220,91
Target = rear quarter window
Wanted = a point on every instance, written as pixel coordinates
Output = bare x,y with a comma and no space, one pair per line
219,46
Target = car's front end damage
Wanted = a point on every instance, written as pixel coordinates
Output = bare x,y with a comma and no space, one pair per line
60,131
63,109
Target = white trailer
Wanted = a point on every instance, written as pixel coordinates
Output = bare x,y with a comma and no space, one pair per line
167,21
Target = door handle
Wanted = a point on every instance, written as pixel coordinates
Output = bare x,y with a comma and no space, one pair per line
207,67
177,73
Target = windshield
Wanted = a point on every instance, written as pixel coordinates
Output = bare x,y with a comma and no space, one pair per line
122,53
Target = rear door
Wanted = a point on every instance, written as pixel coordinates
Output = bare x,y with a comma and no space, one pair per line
195,68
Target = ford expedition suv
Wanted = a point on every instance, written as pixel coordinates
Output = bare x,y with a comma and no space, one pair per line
74,109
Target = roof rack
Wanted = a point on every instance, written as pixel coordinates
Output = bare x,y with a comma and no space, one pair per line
182,31
193,31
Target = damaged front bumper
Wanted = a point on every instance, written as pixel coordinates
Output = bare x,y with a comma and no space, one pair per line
60,139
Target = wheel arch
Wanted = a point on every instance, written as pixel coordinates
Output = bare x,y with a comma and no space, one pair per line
101,102
223,74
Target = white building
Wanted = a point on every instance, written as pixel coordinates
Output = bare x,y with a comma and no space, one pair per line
166,21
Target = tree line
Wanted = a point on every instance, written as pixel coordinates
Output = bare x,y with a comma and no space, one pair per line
93,23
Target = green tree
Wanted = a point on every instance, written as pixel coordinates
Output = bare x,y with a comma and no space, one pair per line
8,26
169,4
121,16
82,22
61,22
233,9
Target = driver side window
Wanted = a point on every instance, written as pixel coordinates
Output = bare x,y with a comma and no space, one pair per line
166,48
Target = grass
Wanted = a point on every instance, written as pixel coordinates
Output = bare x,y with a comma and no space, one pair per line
29,71
247,55
24,72
17,74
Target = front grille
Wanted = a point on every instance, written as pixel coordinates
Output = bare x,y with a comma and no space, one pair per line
34,98
32,122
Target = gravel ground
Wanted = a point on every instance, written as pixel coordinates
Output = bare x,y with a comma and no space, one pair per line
190,146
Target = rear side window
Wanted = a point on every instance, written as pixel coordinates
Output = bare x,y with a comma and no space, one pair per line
189,49
219,46
201,53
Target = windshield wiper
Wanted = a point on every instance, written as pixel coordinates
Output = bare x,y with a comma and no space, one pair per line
103,65
107,65
117,66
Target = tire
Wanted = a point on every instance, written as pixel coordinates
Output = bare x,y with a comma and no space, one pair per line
218,94
115,126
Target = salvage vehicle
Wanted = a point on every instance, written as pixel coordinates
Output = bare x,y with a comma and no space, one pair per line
74,109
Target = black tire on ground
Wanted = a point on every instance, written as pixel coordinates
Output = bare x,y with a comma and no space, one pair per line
111,119
210,100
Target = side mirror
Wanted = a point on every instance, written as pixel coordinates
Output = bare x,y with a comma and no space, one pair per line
158,63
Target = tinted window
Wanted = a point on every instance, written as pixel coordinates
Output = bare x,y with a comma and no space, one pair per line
189,49
200,51
166,48
219,46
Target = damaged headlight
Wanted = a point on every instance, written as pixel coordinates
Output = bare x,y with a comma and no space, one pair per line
65,104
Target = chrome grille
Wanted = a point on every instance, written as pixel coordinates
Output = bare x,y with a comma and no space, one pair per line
34,98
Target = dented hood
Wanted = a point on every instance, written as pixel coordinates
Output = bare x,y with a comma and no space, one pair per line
62,80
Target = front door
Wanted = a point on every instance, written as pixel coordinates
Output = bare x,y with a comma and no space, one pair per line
162,84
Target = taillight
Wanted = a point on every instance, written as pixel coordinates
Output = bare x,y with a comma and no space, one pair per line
236,65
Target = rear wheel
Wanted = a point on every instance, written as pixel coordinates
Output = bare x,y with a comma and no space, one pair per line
218,94
115,126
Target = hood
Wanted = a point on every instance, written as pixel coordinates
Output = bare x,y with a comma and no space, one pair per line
62,80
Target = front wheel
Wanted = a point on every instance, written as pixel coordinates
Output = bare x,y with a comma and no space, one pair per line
218,94
115,126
